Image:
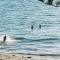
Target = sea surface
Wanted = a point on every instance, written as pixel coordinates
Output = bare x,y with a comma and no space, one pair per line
16,18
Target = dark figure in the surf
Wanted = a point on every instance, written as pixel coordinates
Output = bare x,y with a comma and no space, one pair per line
41,0
40,26
32,27
50,2
4,39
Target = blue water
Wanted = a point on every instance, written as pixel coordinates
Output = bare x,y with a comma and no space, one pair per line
16,18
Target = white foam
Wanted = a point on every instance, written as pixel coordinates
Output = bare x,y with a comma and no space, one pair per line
9,39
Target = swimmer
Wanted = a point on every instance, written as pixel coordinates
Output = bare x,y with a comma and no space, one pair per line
40,26
32,27
4,38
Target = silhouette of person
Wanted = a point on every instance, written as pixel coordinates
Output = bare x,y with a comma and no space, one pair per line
4,38
32,27
40,26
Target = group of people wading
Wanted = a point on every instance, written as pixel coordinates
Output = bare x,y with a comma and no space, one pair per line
32,26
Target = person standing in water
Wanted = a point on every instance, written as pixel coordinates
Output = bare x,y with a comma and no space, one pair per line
32,27
40,26
4,38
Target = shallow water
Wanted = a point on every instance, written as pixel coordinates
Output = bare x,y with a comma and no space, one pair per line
16,18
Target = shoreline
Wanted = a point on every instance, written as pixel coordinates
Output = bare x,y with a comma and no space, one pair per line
18,57
27,57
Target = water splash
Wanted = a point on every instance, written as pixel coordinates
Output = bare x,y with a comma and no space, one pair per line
9,39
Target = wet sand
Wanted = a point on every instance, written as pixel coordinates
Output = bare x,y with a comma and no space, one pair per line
27,57
17,57
50,58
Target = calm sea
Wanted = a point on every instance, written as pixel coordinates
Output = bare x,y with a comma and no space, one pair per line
16,18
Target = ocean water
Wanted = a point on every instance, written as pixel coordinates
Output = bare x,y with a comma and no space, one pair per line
16,18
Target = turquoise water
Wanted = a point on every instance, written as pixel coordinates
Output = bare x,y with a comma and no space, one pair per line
16,18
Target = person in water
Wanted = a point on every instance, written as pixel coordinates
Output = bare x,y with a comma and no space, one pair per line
32,27
40,26
4,39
